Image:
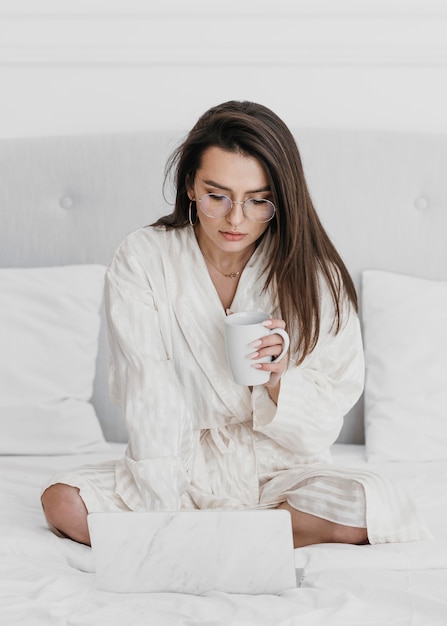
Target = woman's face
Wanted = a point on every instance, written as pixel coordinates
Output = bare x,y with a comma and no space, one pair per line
239,177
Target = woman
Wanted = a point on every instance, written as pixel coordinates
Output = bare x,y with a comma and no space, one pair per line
243,235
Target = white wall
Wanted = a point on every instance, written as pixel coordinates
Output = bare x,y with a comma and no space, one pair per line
101,65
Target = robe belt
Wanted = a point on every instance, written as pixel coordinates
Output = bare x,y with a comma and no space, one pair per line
221,438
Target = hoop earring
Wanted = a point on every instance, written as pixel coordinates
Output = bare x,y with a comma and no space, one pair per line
190,215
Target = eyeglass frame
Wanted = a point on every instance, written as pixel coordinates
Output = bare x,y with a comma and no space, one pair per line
233,202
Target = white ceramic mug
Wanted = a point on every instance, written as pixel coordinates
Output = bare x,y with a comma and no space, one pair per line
241,329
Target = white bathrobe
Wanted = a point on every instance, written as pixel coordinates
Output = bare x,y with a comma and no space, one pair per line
196,438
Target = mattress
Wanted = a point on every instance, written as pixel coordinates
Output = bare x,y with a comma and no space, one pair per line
46,580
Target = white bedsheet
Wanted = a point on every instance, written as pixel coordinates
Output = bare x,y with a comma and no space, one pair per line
45,580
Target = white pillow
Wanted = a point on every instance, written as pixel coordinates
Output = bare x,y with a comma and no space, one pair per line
49,327
405,335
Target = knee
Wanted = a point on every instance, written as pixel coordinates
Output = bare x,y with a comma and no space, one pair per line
59,498
65,512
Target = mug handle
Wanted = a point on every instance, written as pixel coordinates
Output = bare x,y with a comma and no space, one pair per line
286,339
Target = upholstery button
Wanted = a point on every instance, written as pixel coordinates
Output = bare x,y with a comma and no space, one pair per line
66,202
421,203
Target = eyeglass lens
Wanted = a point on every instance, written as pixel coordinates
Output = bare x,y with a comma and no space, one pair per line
255,209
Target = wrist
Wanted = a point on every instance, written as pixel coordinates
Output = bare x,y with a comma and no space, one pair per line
273,390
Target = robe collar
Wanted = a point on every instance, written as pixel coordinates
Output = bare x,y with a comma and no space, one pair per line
200,314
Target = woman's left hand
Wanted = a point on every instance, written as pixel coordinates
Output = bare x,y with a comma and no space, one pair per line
271,345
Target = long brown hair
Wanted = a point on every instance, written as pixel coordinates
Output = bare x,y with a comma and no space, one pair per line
302,251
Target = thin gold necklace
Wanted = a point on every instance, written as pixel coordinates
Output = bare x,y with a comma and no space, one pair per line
230,275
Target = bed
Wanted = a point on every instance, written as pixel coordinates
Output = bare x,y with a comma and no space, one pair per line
65,203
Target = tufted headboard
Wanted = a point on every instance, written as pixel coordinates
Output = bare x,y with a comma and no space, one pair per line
66,200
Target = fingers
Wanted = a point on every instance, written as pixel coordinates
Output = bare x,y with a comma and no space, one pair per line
276,370
272,350
274,323
271,345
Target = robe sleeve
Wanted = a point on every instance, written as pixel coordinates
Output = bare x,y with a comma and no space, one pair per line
143,382
315,395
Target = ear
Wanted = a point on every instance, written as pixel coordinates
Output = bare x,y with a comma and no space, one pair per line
189,184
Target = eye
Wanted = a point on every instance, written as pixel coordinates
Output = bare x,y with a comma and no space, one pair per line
259,201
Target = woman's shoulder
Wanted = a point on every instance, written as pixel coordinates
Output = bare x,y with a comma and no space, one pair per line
138,259
150,241
148,249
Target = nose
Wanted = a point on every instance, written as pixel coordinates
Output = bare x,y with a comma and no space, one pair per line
236,216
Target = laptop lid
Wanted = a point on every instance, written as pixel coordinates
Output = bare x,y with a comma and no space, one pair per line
243,551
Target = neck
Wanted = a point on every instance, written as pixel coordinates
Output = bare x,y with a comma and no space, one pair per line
225,262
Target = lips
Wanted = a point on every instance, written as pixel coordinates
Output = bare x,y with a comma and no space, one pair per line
230,236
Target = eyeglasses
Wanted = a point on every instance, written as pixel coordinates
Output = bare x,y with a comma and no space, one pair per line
255,209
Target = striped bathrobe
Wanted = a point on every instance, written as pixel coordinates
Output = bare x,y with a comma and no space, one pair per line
196,438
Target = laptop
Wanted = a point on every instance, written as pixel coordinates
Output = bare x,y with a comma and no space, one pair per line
193,551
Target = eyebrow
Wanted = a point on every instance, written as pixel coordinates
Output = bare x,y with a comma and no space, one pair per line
212,183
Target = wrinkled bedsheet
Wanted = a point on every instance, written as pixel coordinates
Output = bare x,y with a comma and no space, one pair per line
46,580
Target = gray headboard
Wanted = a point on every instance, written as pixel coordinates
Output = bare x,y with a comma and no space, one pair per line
382,196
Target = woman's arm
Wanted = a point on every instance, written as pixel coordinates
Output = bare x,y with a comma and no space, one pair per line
314,396
143,383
